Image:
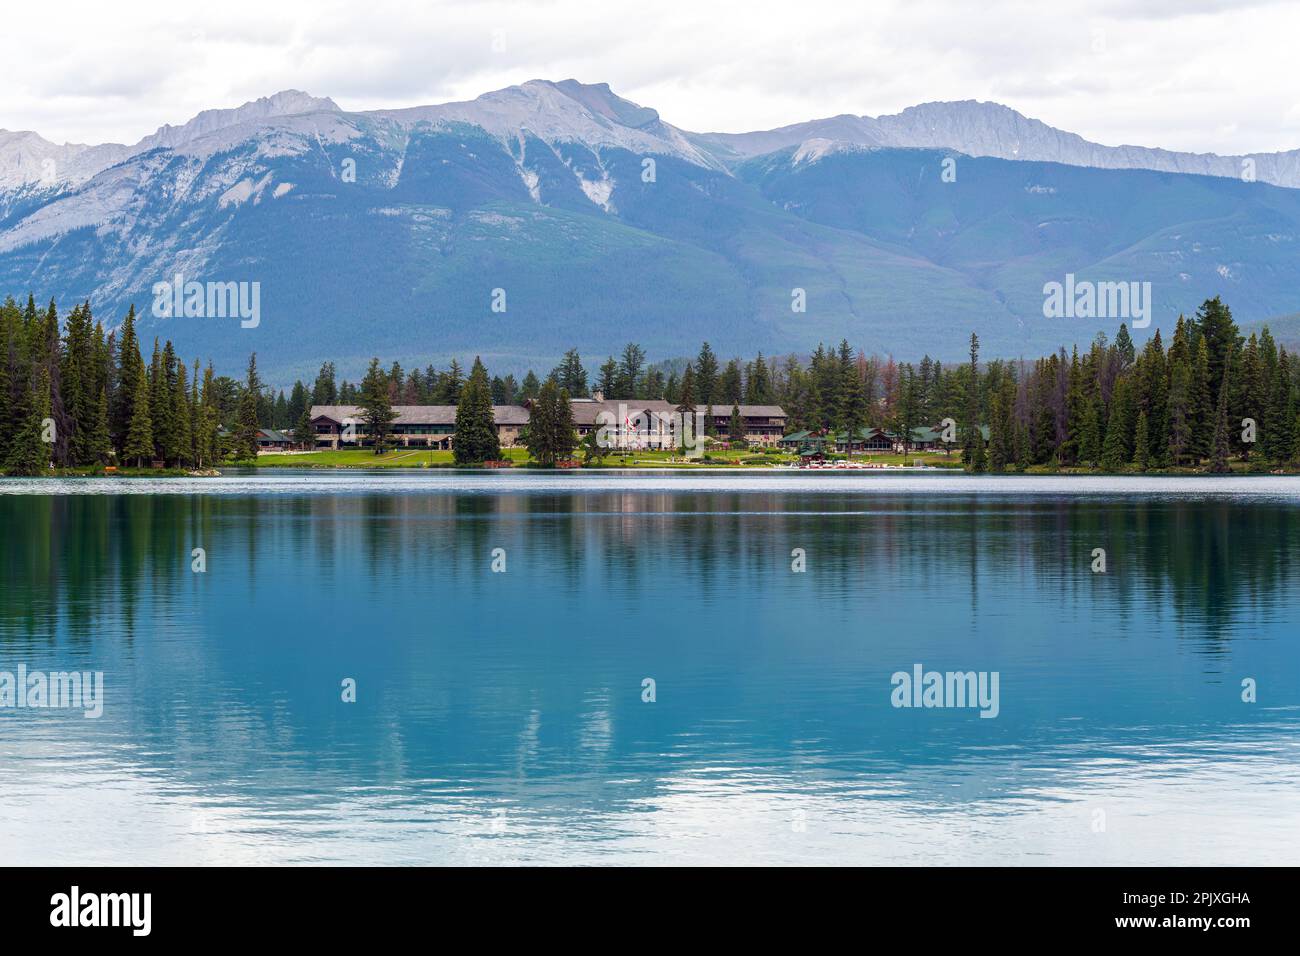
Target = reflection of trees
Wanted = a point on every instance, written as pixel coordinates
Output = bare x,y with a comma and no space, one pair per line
69,559
601,591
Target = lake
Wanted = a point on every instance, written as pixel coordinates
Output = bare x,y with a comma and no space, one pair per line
648,668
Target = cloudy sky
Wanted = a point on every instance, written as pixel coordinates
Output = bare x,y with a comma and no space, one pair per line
1203,75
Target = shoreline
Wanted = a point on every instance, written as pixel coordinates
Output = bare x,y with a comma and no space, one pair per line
274,483
244,470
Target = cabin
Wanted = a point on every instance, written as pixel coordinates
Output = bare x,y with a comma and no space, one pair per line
867,441
803,443
269,439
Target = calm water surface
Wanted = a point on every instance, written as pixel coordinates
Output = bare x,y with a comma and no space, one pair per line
499,716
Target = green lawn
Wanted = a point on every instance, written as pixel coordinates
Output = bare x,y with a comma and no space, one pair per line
424,458
366,458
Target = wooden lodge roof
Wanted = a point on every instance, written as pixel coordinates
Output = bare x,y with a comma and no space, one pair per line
419,414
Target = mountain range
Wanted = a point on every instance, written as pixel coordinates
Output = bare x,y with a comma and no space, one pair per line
557,214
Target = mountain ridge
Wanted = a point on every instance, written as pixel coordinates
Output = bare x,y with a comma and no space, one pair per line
388,232
971,127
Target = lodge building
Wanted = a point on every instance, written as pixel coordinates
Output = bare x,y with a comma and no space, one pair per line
634,423
415,426
649,423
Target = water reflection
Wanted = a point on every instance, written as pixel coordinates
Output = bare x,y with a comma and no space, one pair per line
499,716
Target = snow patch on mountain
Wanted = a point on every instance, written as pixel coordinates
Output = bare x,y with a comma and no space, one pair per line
811,150
598,191
236,195
532,183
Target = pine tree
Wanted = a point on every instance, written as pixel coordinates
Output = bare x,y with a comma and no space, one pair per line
7,424
1021,446
206,443
376,409
324,391
1219,452
607,382
851,414
758,383
1219,333
1154,399
158,419
1114,450
299,400
731,385
979,456
182,438
570,375
736,427
447,391
549,435
706,380
49,352
280,413
1091,437
1201,403
1124,347
129,371
476,434
99,446
686,402
302,432
1117,445
196,453
79,387
1076,408
1001,429
1252,393
246,423
630,365
1141,443
564,433
29,454
1181,419
972,439
138,446
1281,417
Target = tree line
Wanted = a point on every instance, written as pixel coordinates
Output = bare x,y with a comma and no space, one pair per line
1208,395
73,395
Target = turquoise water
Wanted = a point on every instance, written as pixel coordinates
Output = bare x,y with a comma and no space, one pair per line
499,717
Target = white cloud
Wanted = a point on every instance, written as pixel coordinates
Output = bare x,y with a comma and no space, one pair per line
1205,75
